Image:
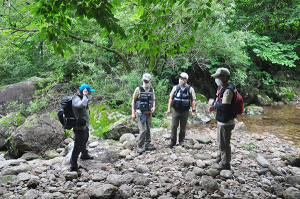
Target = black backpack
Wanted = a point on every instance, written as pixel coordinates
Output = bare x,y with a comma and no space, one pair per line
66,116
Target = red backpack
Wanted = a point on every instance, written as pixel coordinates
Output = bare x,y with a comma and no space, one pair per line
237,108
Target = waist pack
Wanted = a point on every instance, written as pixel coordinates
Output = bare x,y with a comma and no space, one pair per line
66,116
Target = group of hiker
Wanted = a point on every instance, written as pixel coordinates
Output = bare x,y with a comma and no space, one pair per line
182,98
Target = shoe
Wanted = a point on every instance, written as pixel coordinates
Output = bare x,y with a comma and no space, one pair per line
218,159
181,144
76,170
222,167
86,157
149,147
140,150
170,146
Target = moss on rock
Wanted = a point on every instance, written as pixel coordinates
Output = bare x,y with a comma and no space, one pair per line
201,97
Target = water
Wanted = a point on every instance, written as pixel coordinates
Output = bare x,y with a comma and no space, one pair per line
283,121
280,120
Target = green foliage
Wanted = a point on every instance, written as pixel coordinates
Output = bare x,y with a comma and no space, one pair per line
249,147
288,95
156,122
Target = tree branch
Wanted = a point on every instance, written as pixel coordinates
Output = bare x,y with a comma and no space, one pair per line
120,55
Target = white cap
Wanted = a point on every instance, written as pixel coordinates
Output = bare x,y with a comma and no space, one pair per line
221,71
184,75
147,77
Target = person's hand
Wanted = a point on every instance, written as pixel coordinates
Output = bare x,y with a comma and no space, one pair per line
152,109
133,116
210,101
169,111
211,108
193,114
85,91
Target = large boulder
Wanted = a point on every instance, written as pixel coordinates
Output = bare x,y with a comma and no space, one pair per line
8,124
111,124
284,93
37,133
263,100
254,110
19,93
202,114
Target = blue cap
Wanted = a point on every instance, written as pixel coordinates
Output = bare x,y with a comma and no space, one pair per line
87,87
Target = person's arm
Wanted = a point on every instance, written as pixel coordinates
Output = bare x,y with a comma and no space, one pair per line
153,107
81,103
133,109
169,105
193,108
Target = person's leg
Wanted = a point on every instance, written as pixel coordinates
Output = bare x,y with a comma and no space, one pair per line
78,144
142,131
84,152
225,136
175,123
148,146
218,159
183,121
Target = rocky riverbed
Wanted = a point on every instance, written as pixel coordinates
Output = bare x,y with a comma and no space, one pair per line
261,168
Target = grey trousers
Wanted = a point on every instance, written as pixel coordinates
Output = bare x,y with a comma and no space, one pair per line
144,129
178,116
223,138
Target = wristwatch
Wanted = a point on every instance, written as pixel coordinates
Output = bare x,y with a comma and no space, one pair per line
194,110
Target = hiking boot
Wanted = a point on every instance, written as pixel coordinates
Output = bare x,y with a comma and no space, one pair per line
218,159
149,147
140,150
170,146
86,157
222,167
72,169
181,144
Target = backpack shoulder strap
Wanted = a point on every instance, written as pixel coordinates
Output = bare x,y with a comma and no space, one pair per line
151,89
141,88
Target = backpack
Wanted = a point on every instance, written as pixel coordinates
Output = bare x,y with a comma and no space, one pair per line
237,108
65,113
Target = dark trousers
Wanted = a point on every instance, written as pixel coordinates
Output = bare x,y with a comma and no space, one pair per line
81,138
178,116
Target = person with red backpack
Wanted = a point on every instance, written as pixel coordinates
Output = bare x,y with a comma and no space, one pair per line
226,96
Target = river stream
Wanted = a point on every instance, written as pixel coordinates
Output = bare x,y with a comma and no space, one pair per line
282,121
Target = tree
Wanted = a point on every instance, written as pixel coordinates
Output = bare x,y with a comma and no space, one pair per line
54,21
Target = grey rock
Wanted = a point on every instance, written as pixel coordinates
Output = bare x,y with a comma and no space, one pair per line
202,156
153,193
199,171
142,169
102,191
188,161
263,100
7,178
71,175
141,180
190,176
292,180
99,176
205,139
114,179
93,144
16,170
31,194
127,137
29,156
209,184
275,171
213,172
126,191
262,161
38,133
278,189
174,191
291,193
254,110
226,174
